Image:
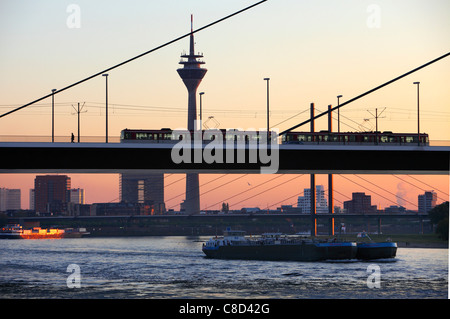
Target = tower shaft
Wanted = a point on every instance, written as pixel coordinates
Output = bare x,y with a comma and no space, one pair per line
192,74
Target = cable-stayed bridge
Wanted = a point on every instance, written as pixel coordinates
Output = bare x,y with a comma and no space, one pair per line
22,157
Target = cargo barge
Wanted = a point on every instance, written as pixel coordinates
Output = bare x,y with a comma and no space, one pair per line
280,247
376,250
276,247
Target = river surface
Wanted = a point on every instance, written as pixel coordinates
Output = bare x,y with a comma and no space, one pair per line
175,267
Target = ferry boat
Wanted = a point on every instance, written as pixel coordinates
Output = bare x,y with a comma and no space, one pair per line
16,231
276,247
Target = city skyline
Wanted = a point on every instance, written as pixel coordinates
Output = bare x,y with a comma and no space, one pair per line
312,53
252,190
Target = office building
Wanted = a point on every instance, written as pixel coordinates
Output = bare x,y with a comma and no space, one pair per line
51,193
427,201
143,189
77,196
304,202
32,204
9,199
360,204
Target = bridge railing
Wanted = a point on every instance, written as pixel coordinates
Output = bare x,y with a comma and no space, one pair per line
116,139
58,139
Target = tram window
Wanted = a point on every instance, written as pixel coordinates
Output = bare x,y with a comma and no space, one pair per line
141,136
409,139
350,138
366,139
383,139
301,138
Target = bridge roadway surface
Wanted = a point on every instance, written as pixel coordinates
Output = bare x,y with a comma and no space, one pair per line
43,157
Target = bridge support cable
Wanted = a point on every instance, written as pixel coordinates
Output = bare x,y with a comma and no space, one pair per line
240,193
428,185
134,58
422,189
390,200
366,93
269,189
184,193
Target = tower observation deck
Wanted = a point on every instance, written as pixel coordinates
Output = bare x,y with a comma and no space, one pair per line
192,74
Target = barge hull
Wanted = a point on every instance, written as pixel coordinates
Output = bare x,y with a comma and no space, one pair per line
369,251
304,252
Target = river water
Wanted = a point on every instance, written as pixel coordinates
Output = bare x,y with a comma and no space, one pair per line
175,267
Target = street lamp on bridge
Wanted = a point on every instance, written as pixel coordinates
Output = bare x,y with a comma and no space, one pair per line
418,114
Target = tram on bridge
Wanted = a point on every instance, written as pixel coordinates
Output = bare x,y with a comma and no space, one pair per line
166,135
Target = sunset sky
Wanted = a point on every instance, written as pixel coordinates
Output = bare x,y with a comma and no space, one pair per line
311,50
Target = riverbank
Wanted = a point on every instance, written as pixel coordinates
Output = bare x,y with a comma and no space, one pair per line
406,232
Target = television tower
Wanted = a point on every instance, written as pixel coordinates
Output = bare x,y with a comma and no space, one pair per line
192,74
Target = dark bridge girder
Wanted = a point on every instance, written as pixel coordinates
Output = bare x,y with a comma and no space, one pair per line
318,159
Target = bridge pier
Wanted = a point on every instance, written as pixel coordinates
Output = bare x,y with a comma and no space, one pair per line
313,186
330,182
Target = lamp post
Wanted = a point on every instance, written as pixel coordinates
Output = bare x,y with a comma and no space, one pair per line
268,128
53,115
339,119
418,114
106,77
201,93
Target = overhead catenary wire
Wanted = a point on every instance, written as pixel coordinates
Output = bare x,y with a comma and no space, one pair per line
365,93
132,59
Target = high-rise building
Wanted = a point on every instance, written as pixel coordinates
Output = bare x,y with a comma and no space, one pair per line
143,189
427,201
192,74
304,202
32,197
9,199
77,196
360,204
51,193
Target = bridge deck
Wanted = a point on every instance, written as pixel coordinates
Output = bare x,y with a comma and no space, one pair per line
23,157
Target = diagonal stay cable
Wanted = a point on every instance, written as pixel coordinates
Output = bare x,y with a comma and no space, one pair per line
443,199
388,199
240,193
365,93
432,187
266,190
134,58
